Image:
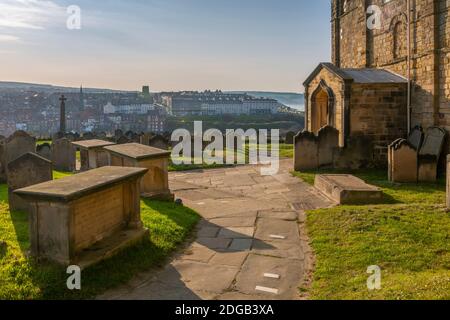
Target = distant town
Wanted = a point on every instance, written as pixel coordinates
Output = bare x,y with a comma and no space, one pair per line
36,108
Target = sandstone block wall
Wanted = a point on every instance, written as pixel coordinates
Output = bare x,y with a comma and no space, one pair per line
94,219
378,112
356,46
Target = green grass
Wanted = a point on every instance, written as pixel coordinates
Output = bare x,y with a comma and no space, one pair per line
23,278
60,174
408,236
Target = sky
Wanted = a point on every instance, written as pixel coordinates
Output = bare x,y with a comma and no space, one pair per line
265,45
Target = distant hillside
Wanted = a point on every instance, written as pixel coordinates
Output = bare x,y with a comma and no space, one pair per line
290,99
50,88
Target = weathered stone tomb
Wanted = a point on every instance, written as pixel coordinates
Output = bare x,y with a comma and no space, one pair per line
85,218
92,154
155,183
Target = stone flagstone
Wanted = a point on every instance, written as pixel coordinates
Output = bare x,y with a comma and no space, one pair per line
233,249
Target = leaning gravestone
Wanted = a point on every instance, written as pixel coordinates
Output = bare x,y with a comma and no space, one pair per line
430,153
44,150
415,138
306,151
27,170
18,144
328,138
64,155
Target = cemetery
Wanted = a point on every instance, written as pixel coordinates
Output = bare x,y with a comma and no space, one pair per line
50,219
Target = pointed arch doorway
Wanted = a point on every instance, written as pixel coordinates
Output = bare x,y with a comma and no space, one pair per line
322,107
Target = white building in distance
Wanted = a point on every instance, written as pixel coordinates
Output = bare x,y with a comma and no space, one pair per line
109,108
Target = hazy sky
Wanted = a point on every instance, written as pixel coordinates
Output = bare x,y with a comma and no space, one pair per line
168,44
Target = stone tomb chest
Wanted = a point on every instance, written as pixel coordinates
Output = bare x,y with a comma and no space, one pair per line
155,183
85,218
347,189
92,154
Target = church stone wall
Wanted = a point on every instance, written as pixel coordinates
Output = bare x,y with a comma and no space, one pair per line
356,46
378,112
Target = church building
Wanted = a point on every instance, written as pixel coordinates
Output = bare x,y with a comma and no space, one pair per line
390,71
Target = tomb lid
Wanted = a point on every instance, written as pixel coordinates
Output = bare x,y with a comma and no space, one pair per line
137,151
79,185
347,182
95,143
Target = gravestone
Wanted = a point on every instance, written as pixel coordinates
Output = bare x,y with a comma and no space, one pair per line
430,153
101,135
328,139
289,137
64,155
58,135
88,136
402,162
145,139
415,138
118,133
159,142
44,150
306,151
358,153
130,134
135,138
2,160
70,136
18,144
27,170
122,140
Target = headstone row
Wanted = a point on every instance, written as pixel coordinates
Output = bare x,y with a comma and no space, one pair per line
416,159
313,152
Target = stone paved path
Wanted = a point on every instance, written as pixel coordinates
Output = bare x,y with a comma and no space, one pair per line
251,227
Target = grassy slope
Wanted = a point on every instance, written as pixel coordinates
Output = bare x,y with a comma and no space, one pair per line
21,278
408,237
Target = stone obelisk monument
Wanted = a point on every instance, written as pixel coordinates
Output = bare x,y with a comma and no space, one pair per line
62,114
